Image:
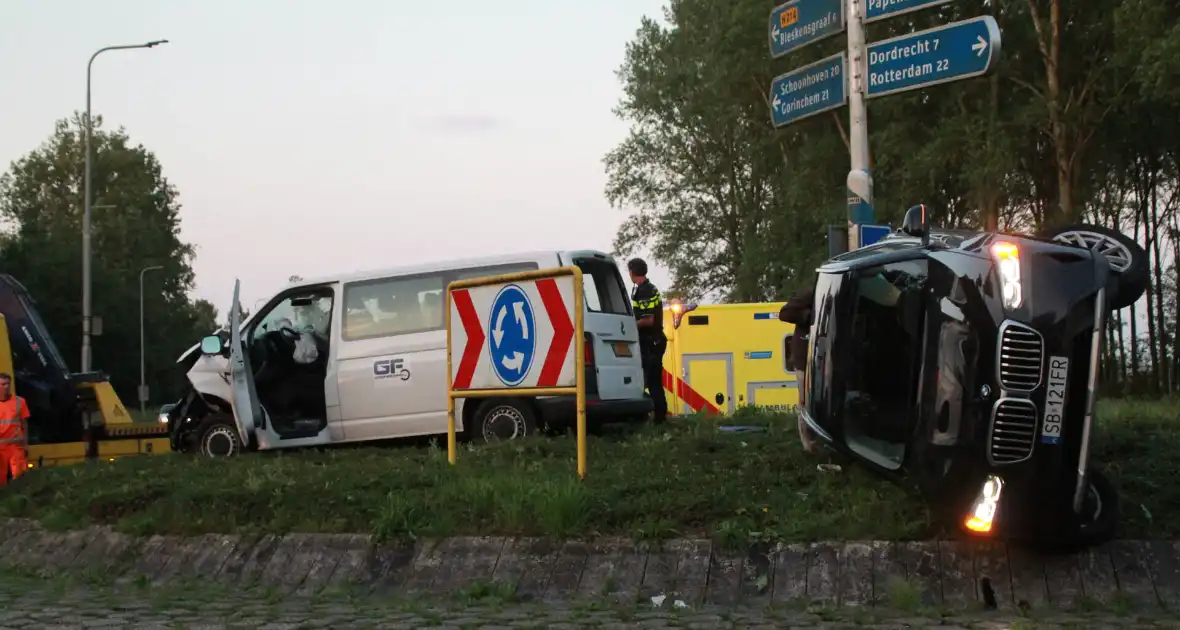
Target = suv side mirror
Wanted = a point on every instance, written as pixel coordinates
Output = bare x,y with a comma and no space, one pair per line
915,223
212,345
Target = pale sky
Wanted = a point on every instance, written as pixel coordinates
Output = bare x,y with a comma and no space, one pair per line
310,137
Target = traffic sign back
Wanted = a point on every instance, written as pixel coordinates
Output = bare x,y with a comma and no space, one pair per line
870,234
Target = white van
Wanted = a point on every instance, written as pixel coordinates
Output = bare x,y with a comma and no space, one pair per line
363,357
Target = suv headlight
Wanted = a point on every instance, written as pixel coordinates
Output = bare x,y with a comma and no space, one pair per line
983,511
1007,258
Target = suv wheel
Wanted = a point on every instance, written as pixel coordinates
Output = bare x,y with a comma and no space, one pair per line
1128,260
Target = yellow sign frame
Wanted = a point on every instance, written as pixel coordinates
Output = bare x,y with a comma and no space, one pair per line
578,390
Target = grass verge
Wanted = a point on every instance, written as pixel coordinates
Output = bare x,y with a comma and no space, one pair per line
687,478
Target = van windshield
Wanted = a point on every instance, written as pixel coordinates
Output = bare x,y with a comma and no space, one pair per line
603,287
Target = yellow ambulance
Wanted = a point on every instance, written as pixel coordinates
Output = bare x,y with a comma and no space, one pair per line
724,356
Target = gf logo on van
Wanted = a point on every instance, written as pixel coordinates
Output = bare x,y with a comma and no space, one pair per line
391,368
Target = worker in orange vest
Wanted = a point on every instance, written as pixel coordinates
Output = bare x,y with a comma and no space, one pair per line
14,431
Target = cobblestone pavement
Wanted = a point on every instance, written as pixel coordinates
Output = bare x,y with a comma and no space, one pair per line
31,602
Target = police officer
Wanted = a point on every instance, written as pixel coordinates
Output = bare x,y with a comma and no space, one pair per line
649,315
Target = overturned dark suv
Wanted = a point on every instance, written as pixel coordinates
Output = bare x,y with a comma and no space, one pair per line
968,362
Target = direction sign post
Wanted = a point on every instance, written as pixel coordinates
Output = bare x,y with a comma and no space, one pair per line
882,9
807,91
859,183
799,23
517,335
946,53
951,52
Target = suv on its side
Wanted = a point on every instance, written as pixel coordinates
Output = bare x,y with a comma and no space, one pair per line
968,362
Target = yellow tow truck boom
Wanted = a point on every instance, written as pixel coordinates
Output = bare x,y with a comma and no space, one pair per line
73,417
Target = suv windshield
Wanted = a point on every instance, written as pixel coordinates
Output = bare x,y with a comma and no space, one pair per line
885,353
818,381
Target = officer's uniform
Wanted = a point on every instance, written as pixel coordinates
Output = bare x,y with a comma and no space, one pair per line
646,300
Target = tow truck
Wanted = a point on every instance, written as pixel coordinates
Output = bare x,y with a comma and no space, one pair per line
73,417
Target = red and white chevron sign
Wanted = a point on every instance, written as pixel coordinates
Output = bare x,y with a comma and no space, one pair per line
513,335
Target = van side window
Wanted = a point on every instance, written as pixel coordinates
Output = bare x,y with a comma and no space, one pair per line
493,270
393,306
603,287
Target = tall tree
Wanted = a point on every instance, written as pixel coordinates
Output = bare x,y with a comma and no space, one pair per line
135,224
1078,121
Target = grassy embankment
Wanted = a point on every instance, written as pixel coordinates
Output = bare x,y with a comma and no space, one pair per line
686,478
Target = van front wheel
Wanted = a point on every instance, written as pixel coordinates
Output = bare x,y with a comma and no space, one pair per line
218,437
502,419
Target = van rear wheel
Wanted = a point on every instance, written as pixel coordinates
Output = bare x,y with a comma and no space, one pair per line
502,419
218,437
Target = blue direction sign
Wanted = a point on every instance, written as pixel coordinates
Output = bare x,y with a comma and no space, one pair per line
801,22
807,91
955,51
512,335
870,234
881,9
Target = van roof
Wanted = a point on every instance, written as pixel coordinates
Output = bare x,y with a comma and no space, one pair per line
438,265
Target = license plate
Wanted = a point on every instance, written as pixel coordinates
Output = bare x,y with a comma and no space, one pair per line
1055,400
622,349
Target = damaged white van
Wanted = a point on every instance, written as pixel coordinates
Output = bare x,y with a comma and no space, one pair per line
362,357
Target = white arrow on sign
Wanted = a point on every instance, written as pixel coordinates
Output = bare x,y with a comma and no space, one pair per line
498,331
514,363
979,46
518,312
774,33
777,103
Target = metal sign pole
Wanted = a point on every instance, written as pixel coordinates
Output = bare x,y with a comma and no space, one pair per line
860,179
451,446
580,366
951,52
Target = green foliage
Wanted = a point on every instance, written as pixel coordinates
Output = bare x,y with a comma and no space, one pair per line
1079,120
686,478
735,206
41,202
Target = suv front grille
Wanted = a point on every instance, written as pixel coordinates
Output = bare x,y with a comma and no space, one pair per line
1019,357
1014,429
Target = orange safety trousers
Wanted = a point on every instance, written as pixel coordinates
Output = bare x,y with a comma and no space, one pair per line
12,462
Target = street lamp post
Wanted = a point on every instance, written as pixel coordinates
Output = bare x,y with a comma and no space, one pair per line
86,206
143,345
